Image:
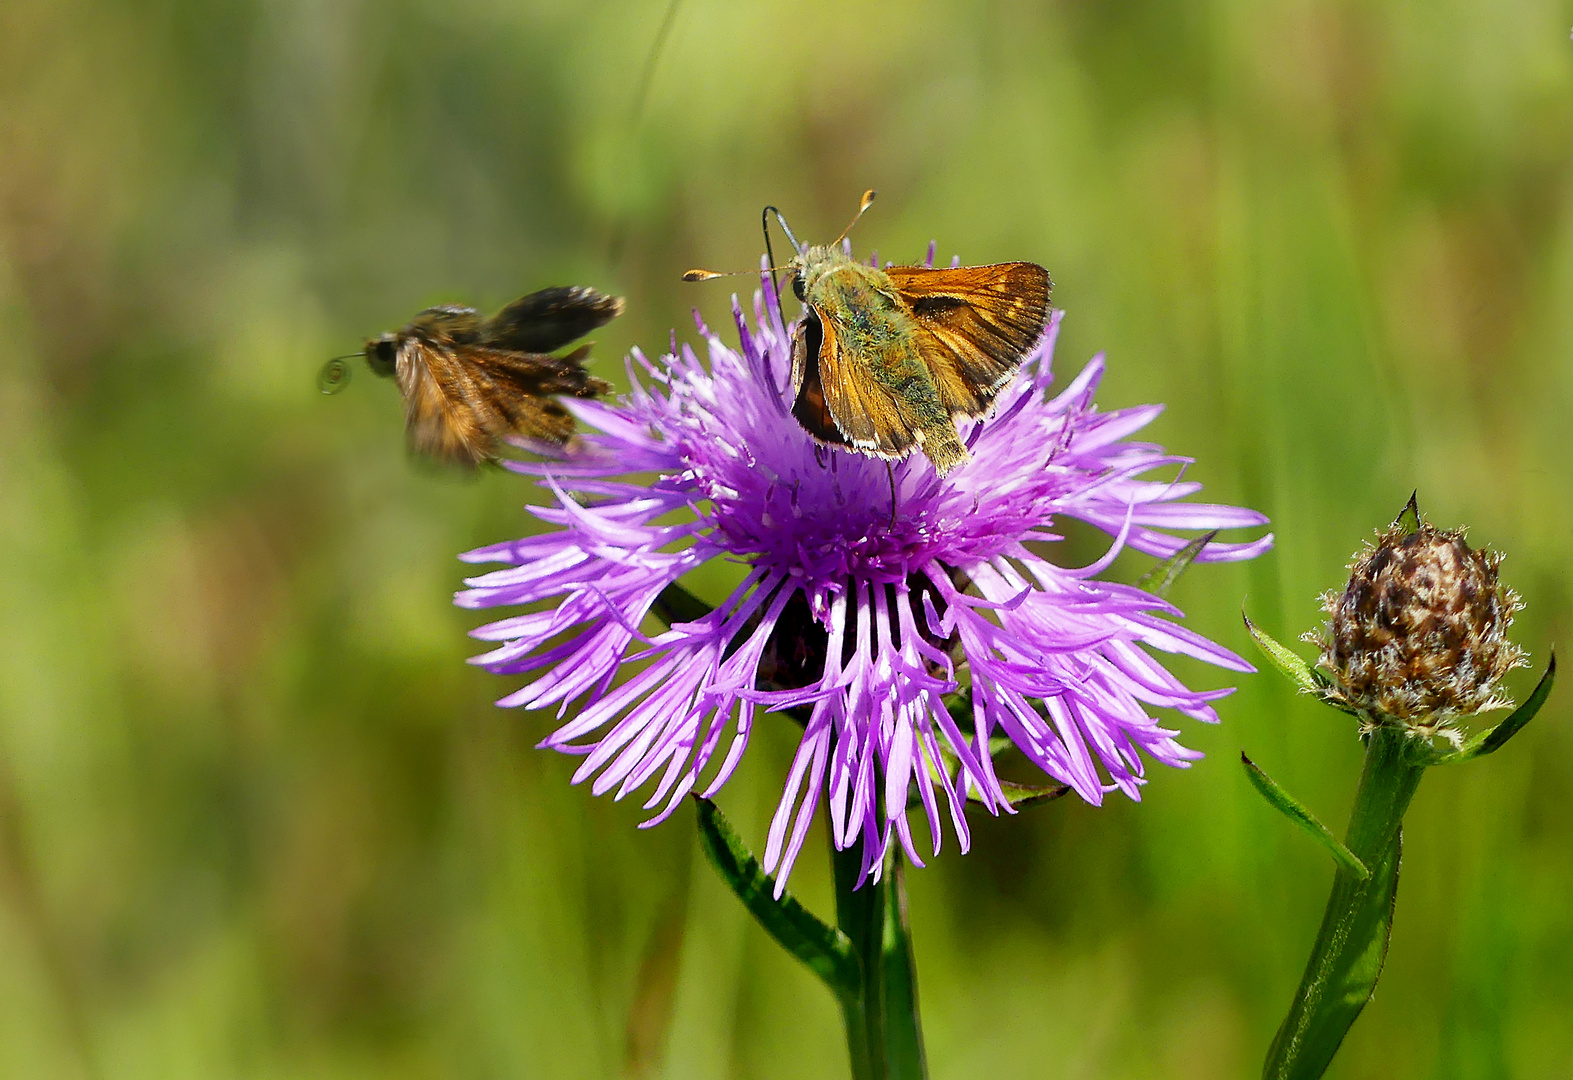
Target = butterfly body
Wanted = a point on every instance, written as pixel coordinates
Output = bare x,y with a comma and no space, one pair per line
864,314
469,381
887,360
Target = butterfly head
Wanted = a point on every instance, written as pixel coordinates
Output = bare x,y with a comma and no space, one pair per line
814,263
807,265
381,353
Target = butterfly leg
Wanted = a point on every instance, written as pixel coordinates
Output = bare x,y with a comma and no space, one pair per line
890,471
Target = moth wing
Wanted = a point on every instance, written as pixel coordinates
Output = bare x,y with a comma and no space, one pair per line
445,414
837,386
975,325
549,319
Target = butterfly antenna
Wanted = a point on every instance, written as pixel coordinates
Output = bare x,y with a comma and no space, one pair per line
780,220
868,201
764,224
335,374
709,275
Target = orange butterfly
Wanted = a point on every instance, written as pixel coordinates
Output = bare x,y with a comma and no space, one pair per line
888,360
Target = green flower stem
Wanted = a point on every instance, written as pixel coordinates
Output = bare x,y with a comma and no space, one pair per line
884,1033
1352,943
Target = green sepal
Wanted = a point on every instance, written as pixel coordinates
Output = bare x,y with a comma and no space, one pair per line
676,604
1492,739
1408,519
1161,578
825,950
1291,808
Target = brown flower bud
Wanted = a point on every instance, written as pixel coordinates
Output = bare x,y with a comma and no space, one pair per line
1419,635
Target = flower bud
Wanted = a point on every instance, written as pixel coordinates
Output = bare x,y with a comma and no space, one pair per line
1419,635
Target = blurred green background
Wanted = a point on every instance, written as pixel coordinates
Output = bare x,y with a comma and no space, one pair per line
257,817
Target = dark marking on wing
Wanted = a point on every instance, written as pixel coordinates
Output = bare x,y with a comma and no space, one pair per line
976,324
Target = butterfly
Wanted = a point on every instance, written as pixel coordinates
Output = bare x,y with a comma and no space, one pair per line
886,361
469,381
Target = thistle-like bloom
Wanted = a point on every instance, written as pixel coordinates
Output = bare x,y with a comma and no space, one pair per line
868,594
1418,637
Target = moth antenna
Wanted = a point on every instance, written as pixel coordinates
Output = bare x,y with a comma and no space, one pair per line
868,201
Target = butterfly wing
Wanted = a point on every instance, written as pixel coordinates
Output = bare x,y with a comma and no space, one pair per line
522,389
839,400
809,407
550,319
466,384
446,412
975,325
460,401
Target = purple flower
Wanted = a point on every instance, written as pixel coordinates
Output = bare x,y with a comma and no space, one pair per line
857,615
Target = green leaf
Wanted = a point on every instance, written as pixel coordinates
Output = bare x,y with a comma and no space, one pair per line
1161,578
1289,807
1019,796
1346,962
827,951
676,604
1022,796
1287,661
1492,740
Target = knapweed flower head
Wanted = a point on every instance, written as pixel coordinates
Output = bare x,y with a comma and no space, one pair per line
869,595
1418,637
